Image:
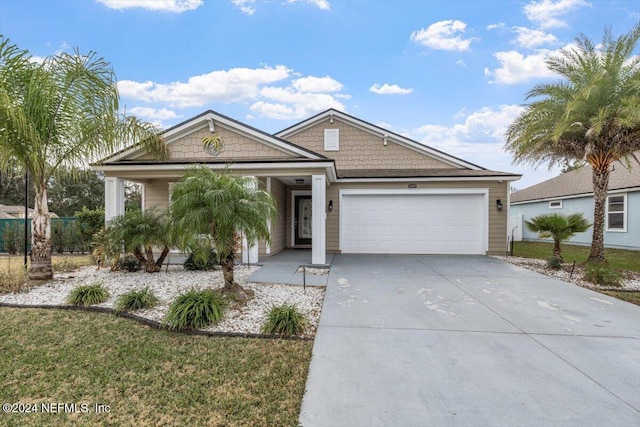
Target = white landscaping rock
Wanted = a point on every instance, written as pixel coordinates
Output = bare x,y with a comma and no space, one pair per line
631,283
167,285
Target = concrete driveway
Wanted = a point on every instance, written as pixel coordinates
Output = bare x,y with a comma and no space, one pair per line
469,341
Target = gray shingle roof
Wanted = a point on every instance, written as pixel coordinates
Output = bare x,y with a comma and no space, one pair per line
419,173
578,182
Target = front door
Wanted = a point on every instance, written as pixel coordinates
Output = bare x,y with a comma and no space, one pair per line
302,220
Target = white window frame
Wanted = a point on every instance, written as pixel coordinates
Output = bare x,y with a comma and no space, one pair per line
332,133
555,207
624,213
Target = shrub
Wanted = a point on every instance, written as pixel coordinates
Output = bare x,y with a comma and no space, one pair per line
194,263
196,309
554,262
129,263
88,295
136,300
284,319
601,274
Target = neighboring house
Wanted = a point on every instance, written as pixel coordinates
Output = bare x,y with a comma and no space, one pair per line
13,212
340,184
572,192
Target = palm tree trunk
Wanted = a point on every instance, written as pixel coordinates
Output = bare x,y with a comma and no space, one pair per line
163,255
150,265
230,287
556,250
600,178
41,268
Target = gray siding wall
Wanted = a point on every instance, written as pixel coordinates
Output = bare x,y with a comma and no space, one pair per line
613,239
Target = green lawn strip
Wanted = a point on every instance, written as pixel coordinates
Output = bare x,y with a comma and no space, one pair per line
632,297
145,376
618,258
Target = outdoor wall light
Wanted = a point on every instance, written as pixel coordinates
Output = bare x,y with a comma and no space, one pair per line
499,204
330,207
299,181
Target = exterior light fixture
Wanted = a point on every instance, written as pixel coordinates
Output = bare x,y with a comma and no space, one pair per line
499,204
299,181
330,207
412,186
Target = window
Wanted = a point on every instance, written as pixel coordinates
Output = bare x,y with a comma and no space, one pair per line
556,204
331,139
617,213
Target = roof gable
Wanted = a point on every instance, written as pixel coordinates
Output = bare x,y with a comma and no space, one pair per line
184,140
385,136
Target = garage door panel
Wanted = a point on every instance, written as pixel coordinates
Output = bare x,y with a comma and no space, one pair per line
421,223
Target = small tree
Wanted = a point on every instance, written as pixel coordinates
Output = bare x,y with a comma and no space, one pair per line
221,206
559,227
140,232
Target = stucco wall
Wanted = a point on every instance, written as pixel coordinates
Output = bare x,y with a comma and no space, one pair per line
363,150
614,239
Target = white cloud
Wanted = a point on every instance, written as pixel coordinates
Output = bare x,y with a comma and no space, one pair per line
284,103
531,38
518,68
152,113
36,59
461,63
478,137
231,85
176,6
387,89
317,84
495,26
547,13
246,6
443,35
320,4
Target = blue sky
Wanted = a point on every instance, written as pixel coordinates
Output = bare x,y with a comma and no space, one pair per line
450,74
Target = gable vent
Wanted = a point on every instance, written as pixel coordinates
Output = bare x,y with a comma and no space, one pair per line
331,139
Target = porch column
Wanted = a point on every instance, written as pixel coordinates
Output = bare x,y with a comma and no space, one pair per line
113,197
318,237
250,253
268,245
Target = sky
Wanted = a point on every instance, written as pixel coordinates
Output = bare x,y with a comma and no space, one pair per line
449,74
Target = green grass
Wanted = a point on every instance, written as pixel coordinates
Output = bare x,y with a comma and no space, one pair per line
618,258
147,377
632,297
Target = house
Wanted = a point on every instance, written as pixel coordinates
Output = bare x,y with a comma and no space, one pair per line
341,184
572,192
14,212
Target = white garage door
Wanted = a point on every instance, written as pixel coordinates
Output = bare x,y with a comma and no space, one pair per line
413,223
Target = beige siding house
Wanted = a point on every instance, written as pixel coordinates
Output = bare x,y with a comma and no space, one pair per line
340,184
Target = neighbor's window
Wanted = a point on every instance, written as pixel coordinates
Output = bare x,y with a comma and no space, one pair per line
617,212
556,204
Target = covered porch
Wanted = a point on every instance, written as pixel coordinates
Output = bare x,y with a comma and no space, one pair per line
299,191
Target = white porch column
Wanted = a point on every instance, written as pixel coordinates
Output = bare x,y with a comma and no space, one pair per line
113,197
268,245
250,253
318,201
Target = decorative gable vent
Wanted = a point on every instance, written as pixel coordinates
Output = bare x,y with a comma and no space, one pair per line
331,139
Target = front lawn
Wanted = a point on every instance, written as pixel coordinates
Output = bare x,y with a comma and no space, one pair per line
145,376
619,259
632,297
13,275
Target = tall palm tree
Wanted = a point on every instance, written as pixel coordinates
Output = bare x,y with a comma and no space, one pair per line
140,231
58,114
223,207
592,114
558,227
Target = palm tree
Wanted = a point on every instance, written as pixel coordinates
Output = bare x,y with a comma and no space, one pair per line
60,114
139,232
223,207
593,114
558,227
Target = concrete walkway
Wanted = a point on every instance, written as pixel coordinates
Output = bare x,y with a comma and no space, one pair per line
282,268
469,341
